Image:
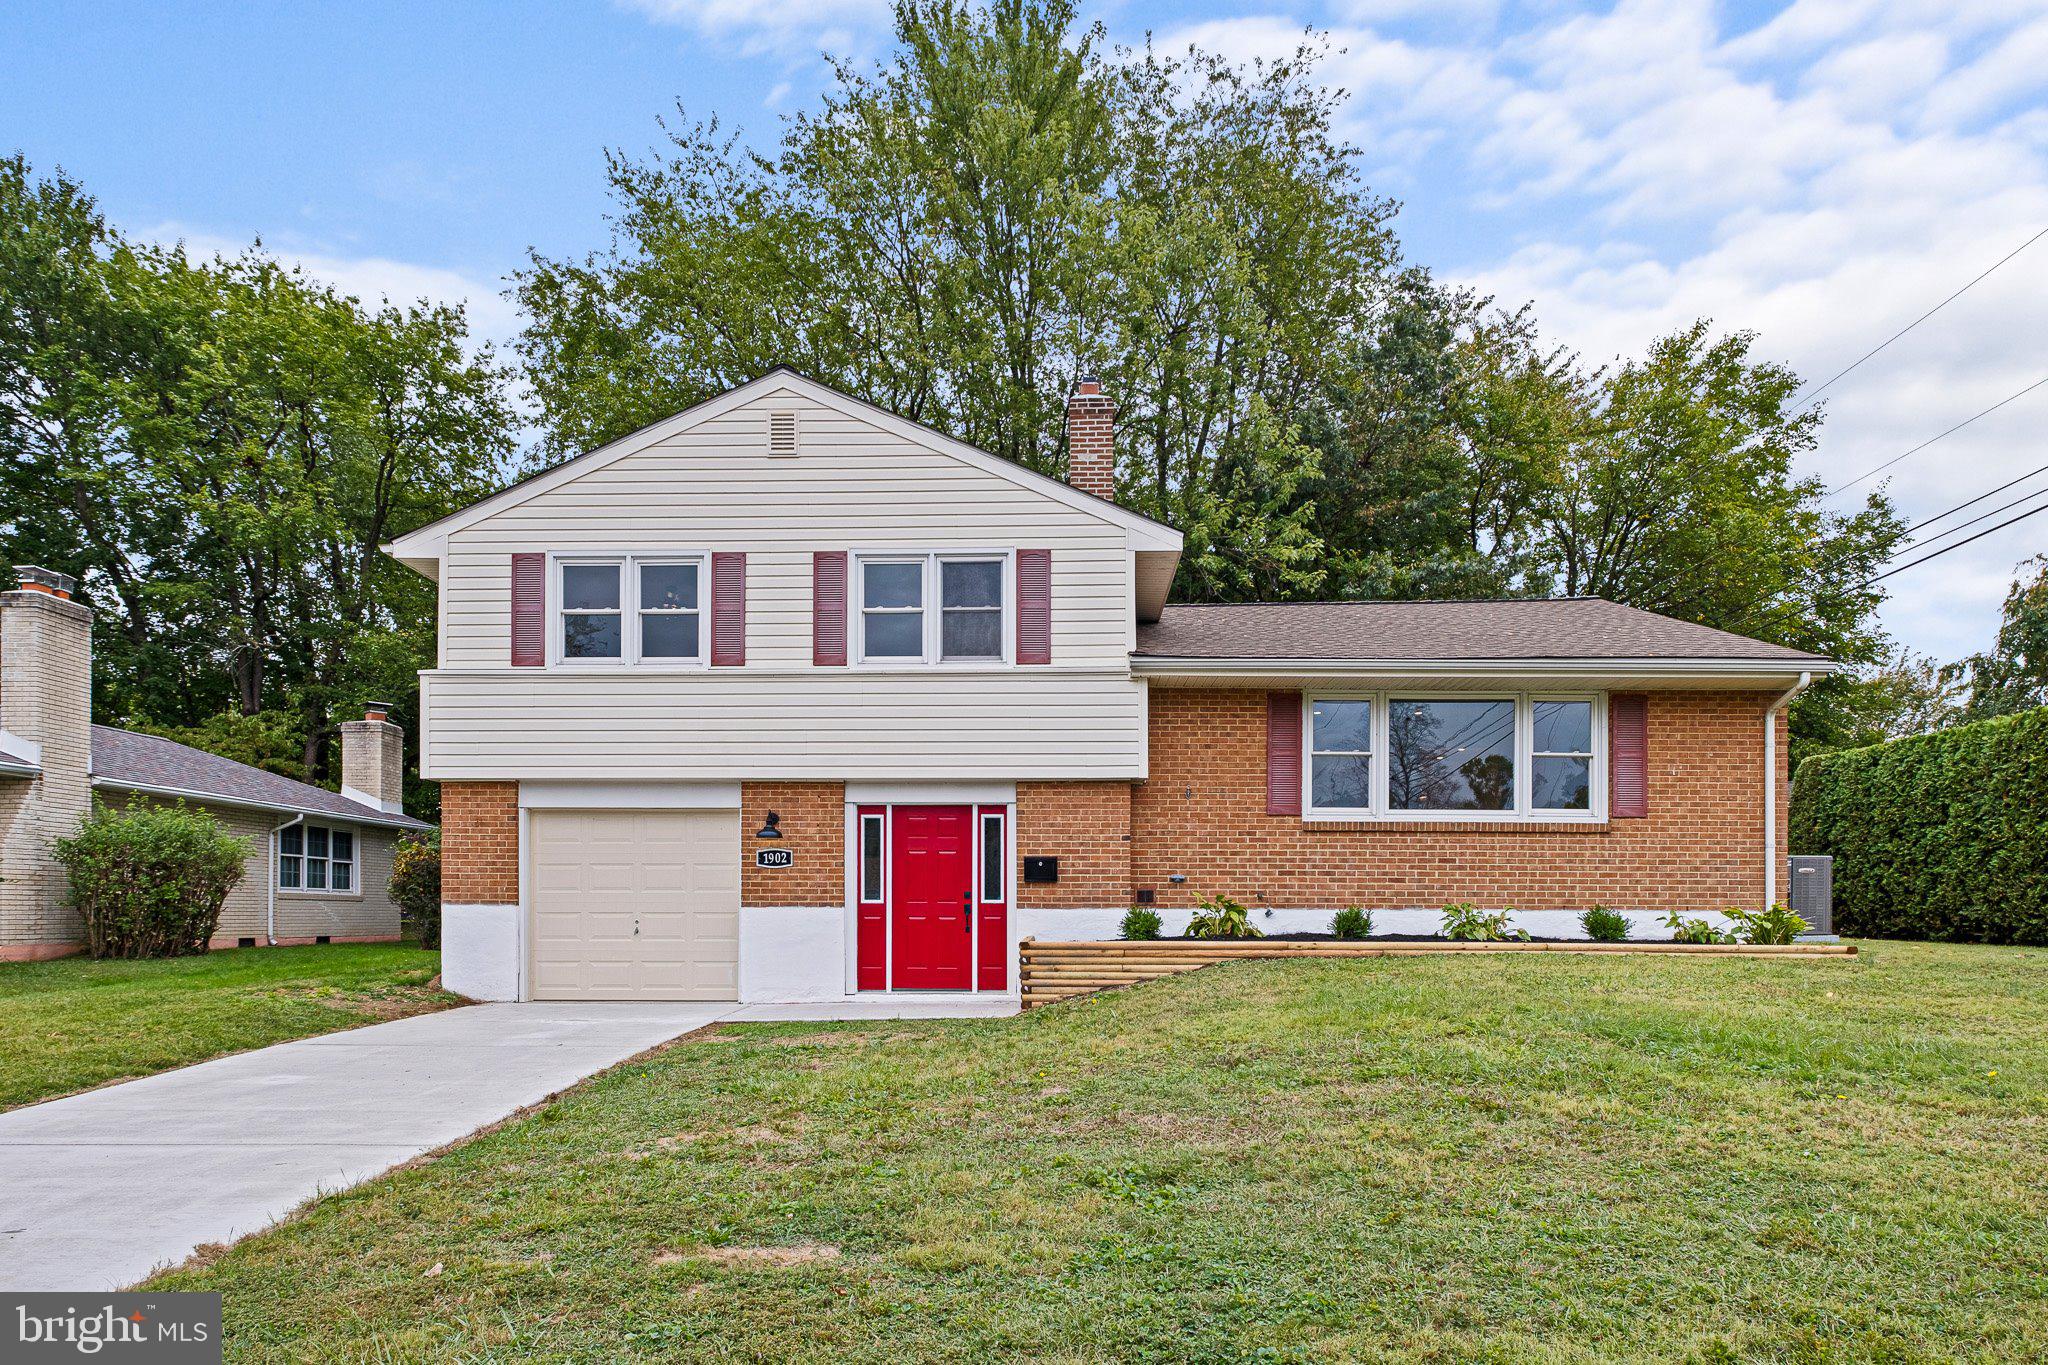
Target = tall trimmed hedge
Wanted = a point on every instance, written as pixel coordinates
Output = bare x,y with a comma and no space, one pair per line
1941,836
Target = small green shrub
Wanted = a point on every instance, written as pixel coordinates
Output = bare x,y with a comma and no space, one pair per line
1141,923
1603,925
1467,923
1222,917
1779,924
416,884
149,880
1353,921
1685,930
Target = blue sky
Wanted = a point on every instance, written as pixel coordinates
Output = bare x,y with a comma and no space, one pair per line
1821,171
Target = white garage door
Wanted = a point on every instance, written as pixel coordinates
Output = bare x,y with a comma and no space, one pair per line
636,905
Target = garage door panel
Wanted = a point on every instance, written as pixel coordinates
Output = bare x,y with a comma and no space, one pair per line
635,904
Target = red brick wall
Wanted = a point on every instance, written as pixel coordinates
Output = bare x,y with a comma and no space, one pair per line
1087,826
1202,814
813,829
479,843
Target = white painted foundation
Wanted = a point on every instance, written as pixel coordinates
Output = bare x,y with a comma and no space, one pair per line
483,951
793,953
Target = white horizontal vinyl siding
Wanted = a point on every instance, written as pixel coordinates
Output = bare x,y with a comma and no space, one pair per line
851,486
723,724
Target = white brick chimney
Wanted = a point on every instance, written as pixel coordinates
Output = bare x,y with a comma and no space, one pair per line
373,760
45,727
1091,439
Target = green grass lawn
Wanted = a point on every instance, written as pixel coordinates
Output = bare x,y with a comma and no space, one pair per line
1430,1159
74,1023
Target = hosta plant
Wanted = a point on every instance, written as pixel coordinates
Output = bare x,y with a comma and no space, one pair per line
1221,917
1467,923
1778,924
1685,930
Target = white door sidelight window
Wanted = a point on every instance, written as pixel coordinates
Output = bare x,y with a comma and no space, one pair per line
630,609
934,608
1404,756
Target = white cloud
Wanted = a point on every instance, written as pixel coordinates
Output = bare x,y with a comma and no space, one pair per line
788,28
372,279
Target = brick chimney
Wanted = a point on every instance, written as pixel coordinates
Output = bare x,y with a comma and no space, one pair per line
46,727
373,759
1091,439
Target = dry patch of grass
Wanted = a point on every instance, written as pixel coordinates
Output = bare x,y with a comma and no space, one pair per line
1470,1159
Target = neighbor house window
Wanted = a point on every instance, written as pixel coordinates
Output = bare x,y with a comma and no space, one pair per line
316,858
898,622
631,609
1401,756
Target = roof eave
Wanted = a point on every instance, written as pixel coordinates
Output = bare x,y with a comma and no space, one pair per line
1168,666
363,817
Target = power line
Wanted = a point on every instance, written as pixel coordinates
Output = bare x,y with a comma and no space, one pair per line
1940,535
1941,516
1926,315
1932,439
1914,564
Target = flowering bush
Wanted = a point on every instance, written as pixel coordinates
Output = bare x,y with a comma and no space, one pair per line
150,880
416,884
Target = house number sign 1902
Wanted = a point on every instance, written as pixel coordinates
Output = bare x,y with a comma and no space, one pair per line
773,857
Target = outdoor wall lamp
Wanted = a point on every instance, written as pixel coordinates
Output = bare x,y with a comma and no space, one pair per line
768,828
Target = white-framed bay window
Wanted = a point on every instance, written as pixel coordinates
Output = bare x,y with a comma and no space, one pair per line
1411,754
650,609
318,858
946,607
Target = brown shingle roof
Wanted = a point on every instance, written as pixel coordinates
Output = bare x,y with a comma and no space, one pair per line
122,758
1576,628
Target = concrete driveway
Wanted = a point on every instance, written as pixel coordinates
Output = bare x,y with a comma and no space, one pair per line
99,1189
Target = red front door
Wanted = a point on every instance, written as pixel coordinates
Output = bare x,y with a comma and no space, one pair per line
931,926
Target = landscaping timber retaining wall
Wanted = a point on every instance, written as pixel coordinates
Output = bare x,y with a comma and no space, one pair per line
1053,971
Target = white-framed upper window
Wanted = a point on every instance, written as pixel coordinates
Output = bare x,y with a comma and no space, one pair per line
1413,755
630,609
316,858
951,608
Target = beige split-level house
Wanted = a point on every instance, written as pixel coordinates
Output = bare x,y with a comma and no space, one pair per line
788,697
319,862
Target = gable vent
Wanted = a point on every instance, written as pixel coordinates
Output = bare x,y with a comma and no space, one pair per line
782,433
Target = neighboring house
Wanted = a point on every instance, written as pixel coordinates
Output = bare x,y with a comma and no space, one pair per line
787,697
319,862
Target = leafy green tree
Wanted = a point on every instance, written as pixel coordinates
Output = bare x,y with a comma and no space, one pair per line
2013,674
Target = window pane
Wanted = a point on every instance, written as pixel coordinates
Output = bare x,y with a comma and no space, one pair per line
1563,783
316,841
343,876
669,637
978,584
1564,727
589,587
344,846
316,875
668,586
892,585
292,840
288,871
1340,783
1451,755
991,858
590,637
1342,725
895,636
971,635
871,857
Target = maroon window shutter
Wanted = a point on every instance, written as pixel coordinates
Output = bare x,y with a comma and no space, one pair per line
1034,606
1628,757
728,609
529,610
828,607
1283,753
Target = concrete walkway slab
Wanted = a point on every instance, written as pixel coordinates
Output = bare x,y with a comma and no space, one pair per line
99,1189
